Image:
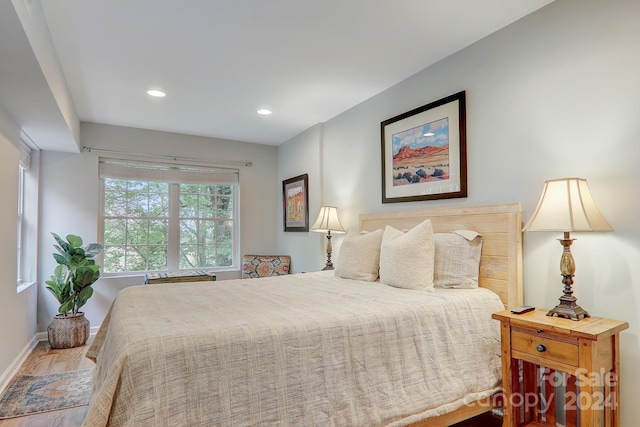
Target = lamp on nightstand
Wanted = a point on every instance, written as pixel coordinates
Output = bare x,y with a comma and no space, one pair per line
566,205
327,222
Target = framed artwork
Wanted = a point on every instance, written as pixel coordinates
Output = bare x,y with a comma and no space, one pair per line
295,194
424,152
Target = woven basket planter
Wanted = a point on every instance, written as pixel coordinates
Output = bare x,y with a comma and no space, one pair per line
68,331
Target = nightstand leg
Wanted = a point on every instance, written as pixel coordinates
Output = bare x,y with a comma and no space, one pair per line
614,380
510,379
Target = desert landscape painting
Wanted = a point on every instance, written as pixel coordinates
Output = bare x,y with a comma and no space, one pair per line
295,204
421,154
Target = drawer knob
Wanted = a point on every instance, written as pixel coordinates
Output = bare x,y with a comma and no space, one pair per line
539,331
541,348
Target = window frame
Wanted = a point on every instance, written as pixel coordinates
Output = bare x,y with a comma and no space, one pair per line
27,214
173,232
22,172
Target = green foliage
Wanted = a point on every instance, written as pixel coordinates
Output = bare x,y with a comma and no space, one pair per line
75,273
136,225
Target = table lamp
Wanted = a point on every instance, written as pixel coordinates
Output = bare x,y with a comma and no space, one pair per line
327,222
566,205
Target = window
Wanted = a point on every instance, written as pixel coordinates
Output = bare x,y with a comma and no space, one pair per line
168,217
206,225
27,215
21,223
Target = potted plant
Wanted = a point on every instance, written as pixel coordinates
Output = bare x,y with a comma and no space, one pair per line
71,285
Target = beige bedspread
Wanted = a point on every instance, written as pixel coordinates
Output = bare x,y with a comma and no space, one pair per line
300,350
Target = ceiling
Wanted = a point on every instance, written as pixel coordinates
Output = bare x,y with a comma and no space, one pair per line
219,61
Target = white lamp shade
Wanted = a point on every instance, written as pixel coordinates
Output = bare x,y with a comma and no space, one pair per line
566,205
328,220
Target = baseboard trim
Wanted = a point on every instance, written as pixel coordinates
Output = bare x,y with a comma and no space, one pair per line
12,370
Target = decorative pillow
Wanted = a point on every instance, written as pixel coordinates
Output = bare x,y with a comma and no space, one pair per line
407,259
457,259
359,256
254,266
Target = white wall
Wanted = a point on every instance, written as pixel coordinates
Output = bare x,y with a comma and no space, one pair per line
18,309
552,95
70,199
297,158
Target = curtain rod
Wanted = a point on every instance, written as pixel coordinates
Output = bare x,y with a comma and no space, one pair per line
175,158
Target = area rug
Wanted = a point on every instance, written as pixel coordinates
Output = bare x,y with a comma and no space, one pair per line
33,394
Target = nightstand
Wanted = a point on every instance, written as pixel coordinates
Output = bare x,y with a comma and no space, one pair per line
540,353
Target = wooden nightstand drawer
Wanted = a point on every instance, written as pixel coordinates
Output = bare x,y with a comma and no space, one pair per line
541,348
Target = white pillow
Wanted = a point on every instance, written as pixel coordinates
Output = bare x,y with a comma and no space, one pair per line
457,259
359,256
407,259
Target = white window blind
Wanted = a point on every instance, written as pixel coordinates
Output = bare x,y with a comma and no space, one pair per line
167,172
25,156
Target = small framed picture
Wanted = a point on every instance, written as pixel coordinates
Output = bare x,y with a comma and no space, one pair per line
295,195
424,152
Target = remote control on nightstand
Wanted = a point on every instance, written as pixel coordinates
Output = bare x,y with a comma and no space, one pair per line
522,309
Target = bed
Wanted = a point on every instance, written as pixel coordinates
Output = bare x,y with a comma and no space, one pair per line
313,348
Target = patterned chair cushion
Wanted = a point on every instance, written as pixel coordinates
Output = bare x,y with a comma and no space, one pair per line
254,266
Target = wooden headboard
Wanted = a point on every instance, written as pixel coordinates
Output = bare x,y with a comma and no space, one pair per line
500,225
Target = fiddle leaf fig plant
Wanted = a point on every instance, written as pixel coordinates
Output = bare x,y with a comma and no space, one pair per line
75,273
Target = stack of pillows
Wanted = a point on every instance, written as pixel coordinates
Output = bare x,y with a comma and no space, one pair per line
418,259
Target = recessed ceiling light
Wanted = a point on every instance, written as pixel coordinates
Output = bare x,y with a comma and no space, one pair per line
264,112
157,93
429,134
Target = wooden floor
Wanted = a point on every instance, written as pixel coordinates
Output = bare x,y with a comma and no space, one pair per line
44,360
